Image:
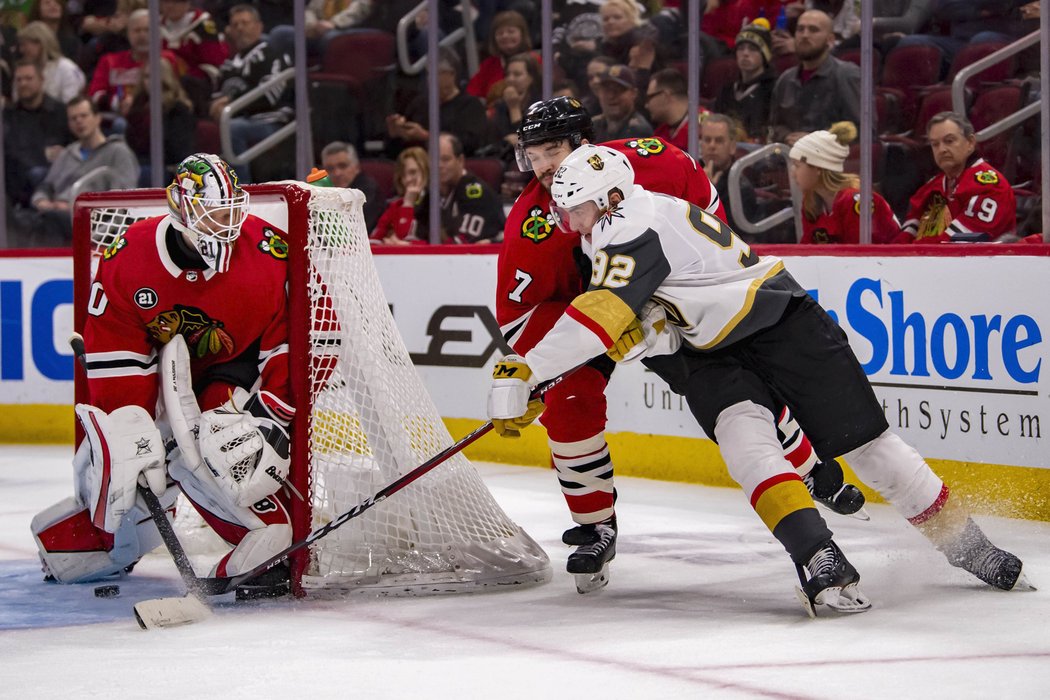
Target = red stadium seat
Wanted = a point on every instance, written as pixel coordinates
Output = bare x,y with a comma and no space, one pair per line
989,107
357,59
718,73
488,170
971,53
382,171
907,70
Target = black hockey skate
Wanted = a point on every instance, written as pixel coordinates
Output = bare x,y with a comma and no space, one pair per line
589,564
832,582
275,582
996,567
827,486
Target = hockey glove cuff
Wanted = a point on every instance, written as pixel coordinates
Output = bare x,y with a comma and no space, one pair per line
509,406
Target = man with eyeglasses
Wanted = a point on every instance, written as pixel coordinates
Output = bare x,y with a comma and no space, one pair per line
667,102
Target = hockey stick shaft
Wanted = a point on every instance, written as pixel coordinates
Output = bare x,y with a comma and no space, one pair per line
195,585
225,585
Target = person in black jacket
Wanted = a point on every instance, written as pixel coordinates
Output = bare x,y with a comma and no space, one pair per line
35,132
747,98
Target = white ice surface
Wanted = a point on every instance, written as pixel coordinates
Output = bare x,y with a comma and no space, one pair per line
700,605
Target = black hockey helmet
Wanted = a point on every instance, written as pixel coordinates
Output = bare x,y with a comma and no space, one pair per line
552,120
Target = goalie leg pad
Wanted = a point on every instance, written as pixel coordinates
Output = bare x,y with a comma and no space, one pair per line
124,444
900,474
255,547
73,550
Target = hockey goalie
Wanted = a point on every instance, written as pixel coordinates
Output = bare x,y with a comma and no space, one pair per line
198,295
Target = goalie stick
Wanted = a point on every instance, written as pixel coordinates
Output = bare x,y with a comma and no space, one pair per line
163,612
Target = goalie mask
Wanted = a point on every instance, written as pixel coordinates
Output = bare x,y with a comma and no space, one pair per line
208,206
589,174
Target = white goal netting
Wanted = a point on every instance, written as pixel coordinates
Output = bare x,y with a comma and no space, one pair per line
371,421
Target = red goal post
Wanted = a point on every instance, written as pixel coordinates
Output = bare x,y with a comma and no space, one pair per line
364,417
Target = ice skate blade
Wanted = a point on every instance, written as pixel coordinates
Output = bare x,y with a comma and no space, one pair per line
589,583
1022,583
848,599
807,604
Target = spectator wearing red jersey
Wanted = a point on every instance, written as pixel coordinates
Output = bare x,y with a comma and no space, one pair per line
117,74
969,200
191,34
405,219
508,36
830,197
667,102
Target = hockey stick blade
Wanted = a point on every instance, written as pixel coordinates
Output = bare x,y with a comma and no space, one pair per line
170,612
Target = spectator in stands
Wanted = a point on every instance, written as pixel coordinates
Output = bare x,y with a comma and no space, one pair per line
820,90
830,197
324,20
618,96
470,211
718,150
576,47
521,88
48,223
117,74
969,200
180,123
896,19
53,13
35,132
102,28
460,113
720,24
747,99
404,221
63,79
625,36
340,160
191,34
254,63
667,101
508,37
596,68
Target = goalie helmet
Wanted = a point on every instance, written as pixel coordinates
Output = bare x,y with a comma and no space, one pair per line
591,174
209,206
552,120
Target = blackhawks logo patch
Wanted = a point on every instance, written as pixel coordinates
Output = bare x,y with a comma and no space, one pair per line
987,177
537,226
114,248
273,244
856,204
204,335
646,147
821,236
473,190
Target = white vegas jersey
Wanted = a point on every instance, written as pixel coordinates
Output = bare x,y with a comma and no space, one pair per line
714,288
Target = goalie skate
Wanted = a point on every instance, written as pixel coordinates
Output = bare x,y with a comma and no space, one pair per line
589,564
832,582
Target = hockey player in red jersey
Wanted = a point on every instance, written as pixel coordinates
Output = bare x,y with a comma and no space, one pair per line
539,274
212,277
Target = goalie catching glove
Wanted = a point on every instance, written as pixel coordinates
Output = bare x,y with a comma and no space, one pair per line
511,408
246,448
647,335
126,448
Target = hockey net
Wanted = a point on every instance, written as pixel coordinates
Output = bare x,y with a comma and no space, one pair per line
364,417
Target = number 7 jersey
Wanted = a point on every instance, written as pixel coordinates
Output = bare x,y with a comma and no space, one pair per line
714,288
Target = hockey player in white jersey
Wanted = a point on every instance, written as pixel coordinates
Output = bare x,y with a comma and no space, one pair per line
730,331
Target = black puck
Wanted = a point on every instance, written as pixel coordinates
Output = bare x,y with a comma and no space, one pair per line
110,591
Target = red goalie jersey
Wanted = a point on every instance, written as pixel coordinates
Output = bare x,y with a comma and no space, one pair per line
234,323
538,270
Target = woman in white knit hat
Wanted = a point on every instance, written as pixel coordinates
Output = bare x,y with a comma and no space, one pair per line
830,197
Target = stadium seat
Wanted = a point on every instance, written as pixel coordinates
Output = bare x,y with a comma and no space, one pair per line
971,53
357,59
489,170
208,140
853,56
909,69
718,73
382,171
989,107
